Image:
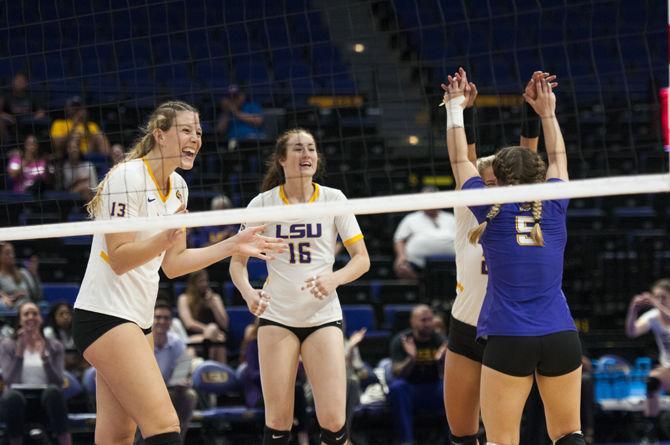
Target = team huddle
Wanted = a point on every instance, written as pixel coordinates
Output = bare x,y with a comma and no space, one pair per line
510,323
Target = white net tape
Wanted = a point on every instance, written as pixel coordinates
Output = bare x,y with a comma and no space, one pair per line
609,186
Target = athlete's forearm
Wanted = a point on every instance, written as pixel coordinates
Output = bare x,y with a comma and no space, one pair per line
357,266
128,256
192,260
240,275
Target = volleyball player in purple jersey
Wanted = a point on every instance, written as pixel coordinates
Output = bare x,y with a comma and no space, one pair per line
525,318
463,362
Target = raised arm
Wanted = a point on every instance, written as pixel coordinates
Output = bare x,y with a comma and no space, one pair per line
530,124
455,101
544,105
635,325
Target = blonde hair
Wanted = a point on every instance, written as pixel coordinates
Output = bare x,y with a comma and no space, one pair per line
513,166
484,163
162,118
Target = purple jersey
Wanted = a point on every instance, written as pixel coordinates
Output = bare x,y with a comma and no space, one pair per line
524,295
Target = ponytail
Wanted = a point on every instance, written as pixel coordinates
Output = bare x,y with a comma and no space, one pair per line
476,233
536,233
162,118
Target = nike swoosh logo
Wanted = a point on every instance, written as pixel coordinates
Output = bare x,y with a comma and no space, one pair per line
277,437
152,200
340,438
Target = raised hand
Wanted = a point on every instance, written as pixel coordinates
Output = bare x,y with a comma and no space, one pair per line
456,86
257,302
470,95
356,337
249,242
409,346
321,285
537,76
544,102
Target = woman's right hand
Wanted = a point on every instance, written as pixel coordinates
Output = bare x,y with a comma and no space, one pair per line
544,102
642,300
257,301
456,86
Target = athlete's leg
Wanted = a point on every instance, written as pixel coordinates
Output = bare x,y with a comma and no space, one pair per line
129,387
323,356
561,396
278,350
461,394
502,399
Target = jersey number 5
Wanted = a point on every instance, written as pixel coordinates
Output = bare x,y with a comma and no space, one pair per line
304,256
524,225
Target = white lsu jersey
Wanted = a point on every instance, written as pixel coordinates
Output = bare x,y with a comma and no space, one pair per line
311,251
131,191
471,273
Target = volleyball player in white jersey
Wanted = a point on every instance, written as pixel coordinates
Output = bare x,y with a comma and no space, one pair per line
464,354
113,311
304,318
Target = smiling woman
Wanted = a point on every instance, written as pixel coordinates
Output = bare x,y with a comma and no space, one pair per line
114,309
298,305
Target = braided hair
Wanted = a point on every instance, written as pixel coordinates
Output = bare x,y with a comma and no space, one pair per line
513,166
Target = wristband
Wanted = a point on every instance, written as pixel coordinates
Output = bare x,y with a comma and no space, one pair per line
530,123
455,112
470,123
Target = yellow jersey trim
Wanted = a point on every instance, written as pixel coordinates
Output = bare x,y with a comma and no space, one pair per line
353,239
314,197
104,256
459,287
158,187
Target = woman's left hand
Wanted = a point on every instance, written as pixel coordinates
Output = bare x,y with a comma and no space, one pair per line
249,242
321,285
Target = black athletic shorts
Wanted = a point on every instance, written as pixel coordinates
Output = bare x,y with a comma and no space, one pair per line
88,326
463,340
550,355
301,333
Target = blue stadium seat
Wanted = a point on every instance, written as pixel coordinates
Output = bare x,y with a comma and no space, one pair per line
357,317
88,380
212,377
60,291
396,316
71,386
240,318
277,33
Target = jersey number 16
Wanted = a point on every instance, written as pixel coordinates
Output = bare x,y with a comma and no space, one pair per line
299,253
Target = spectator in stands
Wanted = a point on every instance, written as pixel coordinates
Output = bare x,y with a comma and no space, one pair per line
174,362
356,372
31,359
206,236
241,119
204,315
419,235
77,175
417,356
18,284
29,170
117,153
58,326
655,318
20,111
77,125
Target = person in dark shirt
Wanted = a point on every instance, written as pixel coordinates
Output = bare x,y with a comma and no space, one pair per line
417,363
20,111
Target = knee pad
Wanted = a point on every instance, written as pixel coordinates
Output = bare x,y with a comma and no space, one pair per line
335,438
576,438
171,438
272,436
463,440
653,385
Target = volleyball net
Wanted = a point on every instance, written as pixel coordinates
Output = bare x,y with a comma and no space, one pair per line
364,77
